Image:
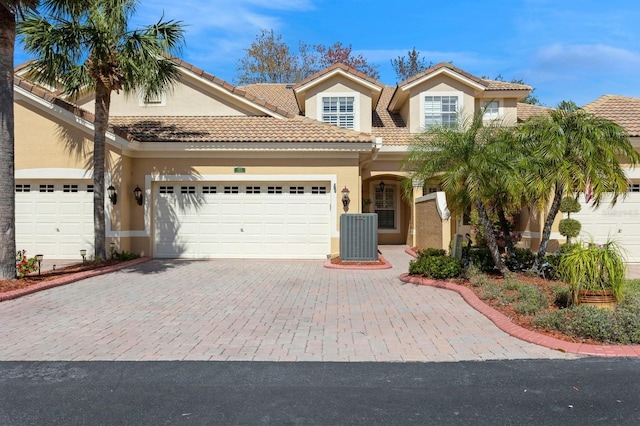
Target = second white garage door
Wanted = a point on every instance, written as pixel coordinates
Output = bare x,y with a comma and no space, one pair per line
242,220
620,223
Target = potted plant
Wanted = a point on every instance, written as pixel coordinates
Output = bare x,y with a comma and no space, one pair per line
595,272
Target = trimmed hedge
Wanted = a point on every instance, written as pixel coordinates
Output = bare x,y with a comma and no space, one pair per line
436,267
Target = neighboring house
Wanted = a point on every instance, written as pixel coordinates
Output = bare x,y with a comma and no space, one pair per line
253,172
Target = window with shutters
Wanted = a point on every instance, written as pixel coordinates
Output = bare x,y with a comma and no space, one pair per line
441,111
339,110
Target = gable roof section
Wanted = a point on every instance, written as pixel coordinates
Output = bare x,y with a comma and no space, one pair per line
236,130
623,110
478,84
300,88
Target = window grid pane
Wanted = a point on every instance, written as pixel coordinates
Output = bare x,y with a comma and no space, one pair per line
339,111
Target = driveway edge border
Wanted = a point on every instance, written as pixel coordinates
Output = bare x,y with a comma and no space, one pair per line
506,325
68,279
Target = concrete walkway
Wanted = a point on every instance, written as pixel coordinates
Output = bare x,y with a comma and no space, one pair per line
264,310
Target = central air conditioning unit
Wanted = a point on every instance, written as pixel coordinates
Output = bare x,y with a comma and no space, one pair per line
359,237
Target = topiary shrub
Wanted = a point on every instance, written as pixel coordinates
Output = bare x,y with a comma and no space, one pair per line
570,228
437,267
570,205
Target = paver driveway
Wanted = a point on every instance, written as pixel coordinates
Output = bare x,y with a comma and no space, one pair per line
263,310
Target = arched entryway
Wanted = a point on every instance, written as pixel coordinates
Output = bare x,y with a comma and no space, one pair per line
382,194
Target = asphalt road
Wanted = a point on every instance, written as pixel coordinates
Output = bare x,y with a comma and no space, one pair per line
522,392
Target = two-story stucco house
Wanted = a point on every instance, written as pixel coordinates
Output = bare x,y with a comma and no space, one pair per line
254,172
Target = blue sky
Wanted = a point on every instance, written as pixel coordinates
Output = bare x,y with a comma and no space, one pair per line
566,49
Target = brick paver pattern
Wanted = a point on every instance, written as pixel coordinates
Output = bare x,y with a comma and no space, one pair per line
259,310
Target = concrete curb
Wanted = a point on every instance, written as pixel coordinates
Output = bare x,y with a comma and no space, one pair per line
14,294
505,324
385,265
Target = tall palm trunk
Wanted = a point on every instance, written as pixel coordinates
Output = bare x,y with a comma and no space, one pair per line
490,237
7,176
101,122
546,230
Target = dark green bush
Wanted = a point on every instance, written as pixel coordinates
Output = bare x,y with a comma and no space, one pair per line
481,258
569,228
524,259
437,267
124,255
428,252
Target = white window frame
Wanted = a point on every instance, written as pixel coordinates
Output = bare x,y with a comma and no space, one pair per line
396,205
490,114
356,106
423,100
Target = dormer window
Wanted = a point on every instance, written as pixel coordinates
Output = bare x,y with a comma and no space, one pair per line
441,110
339,111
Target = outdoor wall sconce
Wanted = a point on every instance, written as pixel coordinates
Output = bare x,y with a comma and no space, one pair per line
382,185
113,196
345,199
39,258
137,194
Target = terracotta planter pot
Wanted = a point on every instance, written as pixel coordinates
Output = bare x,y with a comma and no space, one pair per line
598,298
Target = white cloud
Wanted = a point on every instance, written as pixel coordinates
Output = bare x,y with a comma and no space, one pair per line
559,58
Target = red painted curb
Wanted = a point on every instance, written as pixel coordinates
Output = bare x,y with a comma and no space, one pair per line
505,324
385,265
14,294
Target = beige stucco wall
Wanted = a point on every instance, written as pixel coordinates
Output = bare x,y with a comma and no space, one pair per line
440,84
187,98
343,86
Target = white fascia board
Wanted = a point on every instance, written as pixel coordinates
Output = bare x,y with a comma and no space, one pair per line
221,90
72,119
449,73
331,74
255,147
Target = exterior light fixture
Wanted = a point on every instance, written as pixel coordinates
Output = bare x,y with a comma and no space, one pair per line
382,185
83,253
39,258
345,199
137,194
113,196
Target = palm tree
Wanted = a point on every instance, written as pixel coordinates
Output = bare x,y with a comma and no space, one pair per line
91,47
474,166
569,150
10,10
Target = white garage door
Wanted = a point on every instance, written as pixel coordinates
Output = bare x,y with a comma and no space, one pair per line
54,218
242,220
620,223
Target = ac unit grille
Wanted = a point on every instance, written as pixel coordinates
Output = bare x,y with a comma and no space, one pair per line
359,237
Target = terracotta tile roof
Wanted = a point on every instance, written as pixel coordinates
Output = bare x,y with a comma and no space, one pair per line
343,67
488,84
526,111
389,125
623,110
53,99
235,129
280,95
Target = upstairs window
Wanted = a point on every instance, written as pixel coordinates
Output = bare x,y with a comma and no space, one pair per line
339,111
441,111
491,110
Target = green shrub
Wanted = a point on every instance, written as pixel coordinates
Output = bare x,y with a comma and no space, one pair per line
570,205
481,259
531,299
437,267
124,255
620,326
561,295
569,228
24,265
429,252
524,259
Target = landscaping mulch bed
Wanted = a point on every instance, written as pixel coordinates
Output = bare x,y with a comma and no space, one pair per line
524,321
33,279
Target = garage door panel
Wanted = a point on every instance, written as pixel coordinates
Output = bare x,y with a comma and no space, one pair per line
246,224
619,223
